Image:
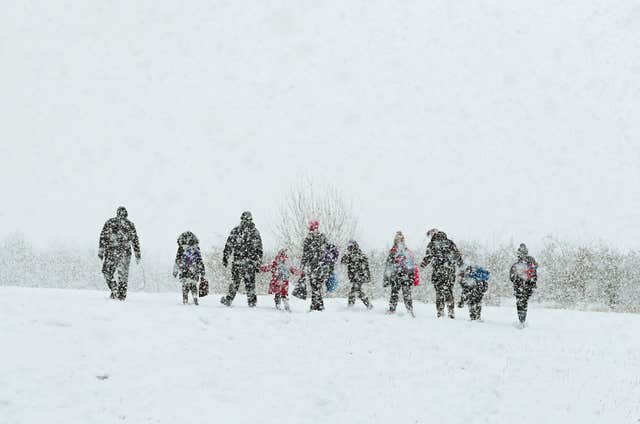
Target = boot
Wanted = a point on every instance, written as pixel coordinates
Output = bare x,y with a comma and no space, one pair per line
286,305
225,301
185,299
195,301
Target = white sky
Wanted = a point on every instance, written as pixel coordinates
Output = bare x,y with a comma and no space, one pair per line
494,121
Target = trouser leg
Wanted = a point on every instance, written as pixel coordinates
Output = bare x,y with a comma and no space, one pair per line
185,292
393,301
439,300
448,297
235,284
250,285
353,293
364,297
123,276
276,298
194,291
406,296
316,282
522,304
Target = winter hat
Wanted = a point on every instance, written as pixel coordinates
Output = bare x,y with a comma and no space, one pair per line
432,232
399,238
122,212
522,250
314,225
246,216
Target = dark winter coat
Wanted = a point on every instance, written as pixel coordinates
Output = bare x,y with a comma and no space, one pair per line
245,244
524,276
442,253
313,249
188,263
357,264
117,237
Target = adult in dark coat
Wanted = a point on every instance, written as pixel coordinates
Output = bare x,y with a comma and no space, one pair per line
358,272
116,238
443,254
245,244
313,249
524,276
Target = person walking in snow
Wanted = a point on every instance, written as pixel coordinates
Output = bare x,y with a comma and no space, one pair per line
245,244
189,266
443,254
358,272
401,273
474,283
280,269
312,250
116,238
524,276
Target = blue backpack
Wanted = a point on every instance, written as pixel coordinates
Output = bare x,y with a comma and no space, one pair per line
480,274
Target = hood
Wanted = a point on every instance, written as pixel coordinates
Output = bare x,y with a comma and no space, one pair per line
188,239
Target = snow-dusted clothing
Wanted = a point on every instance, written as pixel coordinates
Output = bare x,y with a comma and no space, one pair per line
358,272
312,251
474,286
189,266
443,254
524,276
401,273
281,270
117,237
245,244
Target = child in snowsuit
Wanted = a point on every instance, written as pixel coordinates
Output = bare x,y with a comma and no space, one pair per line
358,271
280,270
189,266
401,273
524,276
473,281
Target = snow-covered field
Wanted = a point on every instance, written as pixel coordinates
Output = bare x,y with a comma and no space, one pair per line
76,357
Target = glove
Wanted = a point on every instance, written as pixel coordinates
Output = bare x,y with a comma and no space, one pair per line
138,259
225,262
175,271
101,254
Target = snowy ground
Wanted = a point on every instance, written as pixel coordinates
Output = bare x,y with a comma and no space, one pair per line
77,357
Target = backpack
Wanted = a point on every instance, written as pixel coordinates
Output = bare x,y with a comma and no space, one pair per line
191,259
530,271
330,254
404,261
480,274
282,272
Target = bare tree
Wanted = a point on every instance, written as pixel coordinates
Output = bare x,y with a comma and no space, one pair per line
305,202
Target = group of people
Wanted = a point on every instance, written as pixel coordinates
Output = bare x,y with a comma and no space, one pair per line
319,257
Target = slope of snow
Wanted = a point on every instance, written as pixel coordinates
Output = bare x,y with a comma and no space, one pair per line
76,357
